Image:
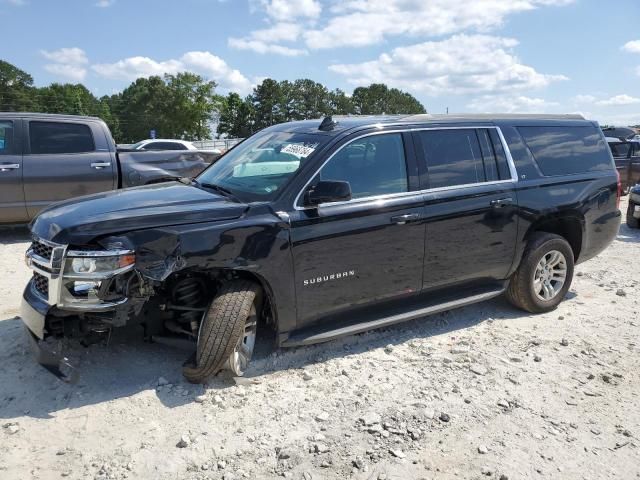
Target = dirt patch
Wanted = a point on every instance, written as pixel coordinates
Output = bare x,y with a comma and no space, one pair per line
480,392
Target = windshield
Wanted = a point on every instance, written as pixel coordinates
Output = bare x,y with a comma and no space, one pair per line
136,146
259,167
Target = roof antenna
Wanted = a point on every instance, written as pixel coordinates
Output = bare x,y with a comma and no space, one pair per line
327,124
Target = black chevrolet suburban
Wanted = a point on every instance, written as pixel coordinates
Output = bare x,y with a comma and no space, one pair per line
320,229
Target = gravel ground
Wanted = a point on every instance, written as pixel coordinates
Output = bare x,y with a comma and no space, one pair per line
480,392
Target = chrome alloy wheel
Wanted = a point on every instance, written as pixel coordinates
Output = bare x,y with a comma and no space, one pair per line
550,275
241,355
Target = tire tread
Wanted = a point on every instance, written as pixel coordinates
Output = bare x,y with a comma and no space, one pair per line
223,326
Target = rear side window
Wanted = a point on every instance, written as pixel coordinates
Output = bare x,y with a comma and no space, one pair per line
566,150
453,157
620,150
164,146
58,137
6,137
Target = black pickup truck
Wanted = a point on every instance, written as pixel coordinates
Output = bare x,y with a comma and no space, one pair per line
319,229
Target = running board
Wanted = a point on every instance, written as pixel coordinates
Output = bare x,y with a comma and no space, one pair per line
330,330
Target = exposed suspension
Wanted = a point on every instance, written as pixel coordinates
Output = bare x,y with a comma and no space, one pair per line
187,299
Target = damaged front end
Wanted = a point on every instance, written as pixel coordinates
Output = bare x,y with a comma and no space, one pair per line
78,293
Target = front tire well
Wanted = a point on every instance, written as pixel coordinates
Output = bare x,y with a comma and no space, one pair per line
214,279
569,228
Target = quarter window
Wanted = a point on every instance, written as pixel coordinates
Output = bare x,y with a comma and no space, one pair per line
373,165
567,150
453,157
6,137
59,137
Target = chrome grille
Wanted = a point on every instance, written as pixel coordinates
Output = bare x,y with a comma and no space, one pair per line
41,249
41,284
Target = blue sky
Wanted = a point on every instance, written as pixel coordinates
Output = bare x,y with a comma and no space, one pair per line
467,55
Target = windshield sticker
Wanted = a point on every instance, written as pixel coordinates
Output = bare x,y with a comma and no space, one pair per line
297,150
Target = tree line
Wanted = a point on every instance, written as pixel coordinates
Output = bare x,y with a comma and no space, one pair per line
185,105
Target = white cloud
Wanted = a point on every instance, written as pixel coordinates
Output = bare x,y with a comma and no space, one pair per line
135,67
105,3
583,99
74,56
205,63
290,9
462,64
68,72
360,23
619,100
265,40
632,46
263,47
67,63
357,23
510,104
16,3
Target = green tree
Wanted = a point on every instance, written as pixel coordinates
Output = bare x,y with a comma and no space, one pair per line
139,108
16,89
68,99
270,104
340,103
237,116
176,106
308,99
377,99
189,106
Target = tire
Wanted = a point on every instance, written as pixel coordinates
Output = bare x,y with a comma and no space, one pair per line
524,292
222,331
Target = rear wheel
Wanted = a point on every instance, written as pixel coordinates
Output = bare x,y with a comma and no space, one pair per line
544,275
227,333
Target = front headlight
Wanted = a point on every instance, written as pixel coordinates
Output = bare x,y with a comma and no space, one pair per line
101,263
635,197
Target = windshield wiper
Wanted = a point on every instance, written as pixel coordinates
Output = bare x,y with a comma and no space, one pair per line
225,191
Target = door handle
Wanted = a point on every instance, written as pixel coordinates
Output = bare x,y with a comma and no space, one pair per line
408,217
100,165
502,202
5,167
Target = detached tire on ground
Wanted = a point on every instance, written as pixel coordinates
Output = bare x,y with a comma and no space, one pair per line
544,275
227,334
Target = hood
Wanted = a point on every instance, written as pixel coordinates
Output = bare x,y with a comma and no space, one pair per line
79,220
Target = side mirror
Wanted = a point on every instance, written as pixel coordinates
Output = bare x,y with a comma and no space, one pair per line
327,191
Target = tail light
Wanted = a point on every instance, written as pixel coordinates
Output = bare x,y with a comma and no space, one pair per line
619,192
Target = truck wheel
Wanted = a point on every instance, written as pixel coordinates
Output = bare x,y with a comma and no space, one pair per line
227,332
544,275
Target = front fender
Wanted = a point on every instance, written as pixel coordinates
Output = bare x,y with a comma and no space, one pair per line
259,245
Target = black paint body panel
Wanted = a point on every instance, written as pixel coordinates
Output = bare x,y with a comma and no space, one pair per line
454,238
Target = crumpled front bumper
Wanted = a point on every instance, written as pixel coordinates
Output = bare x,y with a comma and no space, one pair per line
33,312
